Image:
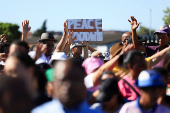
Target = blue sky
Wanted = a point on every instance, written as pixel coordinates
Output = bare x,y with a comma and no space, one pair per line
114,13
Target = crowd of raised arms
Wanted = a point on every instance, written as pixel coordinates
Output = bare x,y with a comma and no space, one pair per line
42,78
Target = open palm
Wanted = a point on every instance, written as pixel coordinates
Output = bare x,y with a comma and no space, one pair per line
134,24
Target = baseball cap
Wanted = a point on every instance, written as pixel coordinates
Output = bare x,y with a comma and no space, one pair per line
163,29
150,78
50,75
58,56
140,39
91,63
108,88
76,43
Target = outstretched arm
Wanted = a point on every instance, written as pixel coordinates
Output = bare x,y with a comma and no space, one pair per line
109,65
156,58
134,26
25,29
89,47
61,44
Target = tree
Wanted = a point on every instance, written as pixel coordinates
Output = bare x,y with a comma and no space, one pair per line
144,31
11,30
43,29
166,17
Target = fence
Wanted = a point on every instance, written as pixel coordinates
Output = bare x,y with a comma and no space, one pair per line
151,40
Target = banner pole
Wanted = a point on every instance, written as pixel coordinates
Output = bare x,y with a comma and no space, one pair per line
86,55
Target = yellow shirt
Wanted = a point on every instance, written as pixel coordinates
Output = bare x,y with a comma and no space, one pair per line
126,71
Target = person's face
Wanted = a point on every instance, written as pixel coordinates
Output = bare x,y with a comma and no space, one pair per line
68,87
124,40
163,39
138,65
151,95
16,48
78,50
50,47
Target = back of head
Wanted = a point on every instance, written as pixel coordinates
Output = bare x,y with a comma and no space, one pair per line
108,88
15,96
24,58
22,44
163,72
131,56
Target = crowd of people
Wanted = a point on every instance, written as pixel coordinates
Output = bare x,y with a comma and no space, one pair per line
135,78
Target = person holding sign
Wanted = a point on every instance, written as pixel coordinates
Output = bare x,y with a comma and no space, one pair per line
76,48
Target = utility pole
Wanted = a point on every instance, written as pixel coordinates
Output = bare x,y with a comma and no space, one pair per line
150,22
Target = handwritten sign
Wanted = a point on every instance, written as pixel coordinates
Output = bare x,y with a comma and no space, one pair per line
86,29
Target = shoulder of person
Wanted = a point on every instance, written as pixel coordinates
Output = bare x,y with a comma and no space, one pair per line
162,109
51,106
130,106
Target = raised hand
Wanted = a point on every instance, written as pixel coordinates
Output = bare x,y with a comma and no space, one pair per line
38,51
3,38
70,37
134,24
25,27
65,27
127,48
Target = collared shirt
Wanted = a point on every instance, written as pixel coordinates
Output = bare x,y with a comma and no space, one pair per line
134,107
80,59
55,106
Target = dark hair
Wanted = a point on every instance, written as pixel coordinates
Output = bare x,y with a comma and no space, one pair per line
23,44
2,46
18,93
79,69
24,58
131,56
41,79
107,72
162,71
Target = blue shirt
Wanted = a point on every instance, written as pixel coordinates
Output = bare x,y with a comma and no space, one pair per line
55,106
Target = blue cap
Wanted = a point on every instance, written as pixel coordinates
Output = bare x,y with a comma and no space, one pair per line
150,78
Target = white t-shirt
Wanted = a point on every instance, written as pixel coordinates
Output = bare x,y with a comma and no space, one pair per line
88,81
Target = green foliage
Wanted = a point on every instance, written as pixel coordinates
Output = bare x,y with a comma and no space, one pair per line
11,30
43,29
144,31
166,17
